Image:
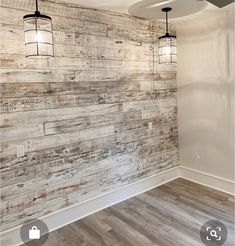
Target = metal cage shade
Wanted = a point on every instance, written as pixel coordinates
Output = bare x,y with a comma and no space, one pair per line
167,50
38,36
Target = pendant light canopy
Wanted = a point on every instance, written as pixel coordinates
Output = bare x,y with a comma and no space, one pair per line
38,35
167,44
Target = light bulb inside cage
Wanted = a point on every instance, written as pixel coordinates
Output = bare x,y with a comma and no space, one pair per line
167,50
38,36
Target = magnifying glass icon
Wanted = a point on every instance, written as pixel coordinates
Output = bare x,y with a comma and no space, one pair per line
213,233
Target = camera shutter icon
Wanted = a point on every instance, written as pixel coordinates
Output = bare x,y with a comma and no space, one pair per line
34,233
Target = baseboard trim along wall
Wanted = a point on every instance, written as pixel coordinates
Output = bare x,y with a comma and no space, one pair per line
69,215
215,182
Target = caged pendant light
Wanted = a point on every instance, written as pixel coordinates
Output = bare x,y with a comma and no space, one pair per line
38,35
167,45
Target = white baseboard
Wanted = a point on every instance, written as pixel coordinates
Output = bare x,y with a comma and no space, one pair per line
68,215
215,182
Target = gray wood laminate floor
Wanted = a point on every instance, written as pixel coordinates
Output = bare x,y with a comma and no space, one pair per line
171,214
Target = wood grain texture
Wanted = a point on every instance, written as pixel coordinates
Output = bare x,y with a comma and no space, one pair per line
171,214
83,116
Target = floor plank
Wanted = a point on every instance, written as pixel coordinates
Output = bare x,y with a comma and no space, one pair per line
171,214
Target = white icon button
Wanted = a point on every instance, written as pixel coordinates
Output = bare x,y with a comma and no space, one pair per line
213,233
34,233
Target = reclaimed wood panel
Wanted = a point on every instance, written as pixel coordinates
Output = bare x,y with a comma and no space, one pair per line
14,32
14,75
73,162
74,124
74,193
79,13
99,115
19,62
33,117
9,47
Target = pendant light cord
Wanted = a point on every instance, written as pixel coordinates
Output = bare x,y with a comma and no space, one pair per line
166,22
37,7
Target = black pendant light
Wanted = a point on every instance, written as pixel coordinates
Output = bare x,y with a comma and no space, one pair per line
38,35
167,45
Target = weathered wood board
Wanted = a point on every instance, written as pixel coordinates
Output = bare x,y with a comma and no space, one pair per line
99,115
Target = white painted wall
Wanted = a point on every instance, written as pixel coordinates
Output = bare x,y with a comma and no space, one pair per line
206,91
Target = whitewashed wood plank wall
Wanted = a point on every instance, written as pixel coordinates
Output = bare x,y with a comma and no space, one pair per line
83,116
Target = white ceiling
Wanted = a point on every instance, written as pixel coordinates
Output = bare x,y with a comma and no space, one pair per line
149,8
